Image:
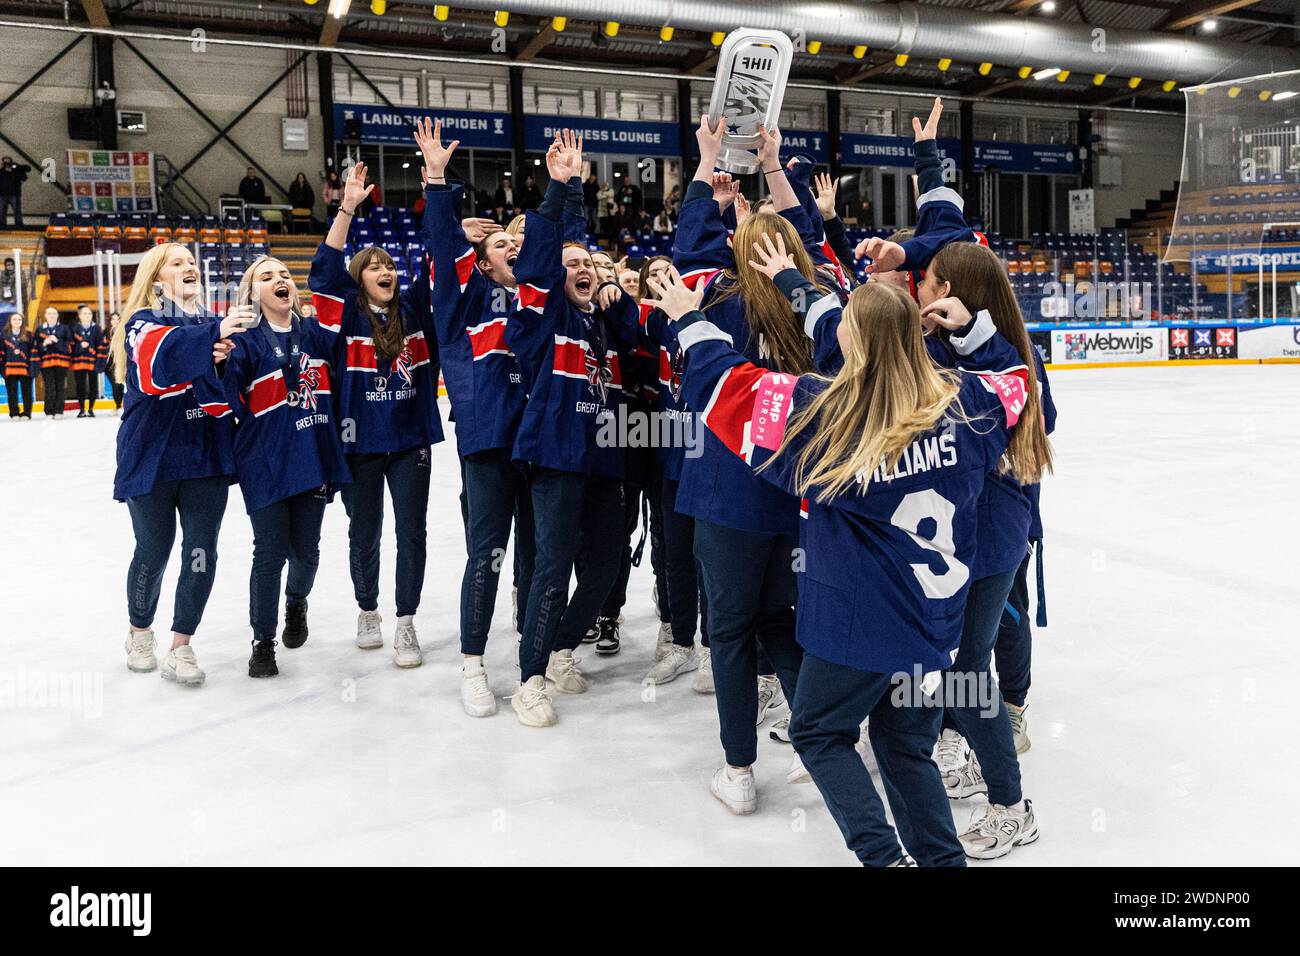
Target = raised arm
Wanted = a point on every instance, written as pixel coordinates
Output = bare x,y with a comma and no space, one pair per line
355,192
819,312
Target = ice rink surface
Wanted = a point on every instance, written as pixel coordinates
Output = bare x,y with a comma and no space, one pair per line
1163,696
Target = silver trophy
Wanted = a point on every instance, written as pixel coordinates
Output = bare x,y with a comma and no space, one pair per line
753,66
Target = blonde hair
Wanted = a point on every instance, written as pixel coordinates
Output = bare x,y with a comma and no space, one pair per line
516,225
887,393
244,296
767,311
977,277
141,296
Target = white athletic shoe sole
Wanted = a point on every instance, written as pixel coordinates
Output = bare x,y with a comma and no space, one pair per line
170,674
142,670
740,809
1026,838
370,643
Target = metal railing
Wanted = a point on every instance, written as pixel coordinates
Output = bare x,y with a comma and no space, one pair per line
176,194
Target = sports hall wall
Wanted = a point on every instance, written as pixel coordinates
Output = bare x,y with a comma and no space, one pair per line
220,80
223,80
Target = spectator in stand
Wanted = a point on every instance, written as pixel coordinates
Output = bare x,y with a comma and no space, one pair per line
9,289
530,197
251,188
302,197
375,198
644,223
11,191
590,191
331,193
504,200
663,223
605,209
673,203
629,194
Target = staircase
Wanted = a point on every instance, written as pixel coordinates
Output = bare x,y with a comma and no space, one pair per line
1150,226
296,252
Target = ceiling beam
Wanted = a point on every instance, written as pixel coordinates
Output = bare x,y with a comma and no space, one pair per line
704,64
1190,14
855,75
330,30
544,38
96,13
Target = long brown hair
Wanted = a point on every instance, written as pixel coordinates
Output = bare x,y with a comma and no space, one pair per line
772,322
887,393
976,276
389,336
644,275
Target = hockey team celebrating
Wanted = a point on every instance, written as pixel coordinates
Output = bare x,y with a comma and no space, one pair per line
841,517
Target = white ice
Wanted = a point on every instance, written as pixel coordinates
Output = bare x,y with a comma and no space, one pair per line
1162,710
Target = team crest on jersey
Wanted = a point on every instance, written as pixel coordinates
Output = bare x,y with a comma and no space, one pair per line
309,379
403,364
599,376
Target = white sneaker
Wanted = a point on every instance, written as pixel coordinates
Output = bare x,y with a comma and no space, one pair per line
966,781
475,694
140,647
406,649
562,670
737,792
950,752
676,660
797,773
703,683
181,666
780,731
1019,726
770,696
369,635
1000,830
532,705
665,640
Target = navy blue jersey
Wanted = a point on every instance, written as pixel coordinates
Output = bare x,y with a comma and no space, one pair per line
470,312
86,351
176,421
287,440
382,406
17,354
888,564
715,486
57,353
572,360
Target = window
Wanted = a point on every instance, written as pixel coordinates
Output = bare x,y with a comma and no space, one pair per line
999,128
873,120
400,89
555,100
640,105
489,96
1051,131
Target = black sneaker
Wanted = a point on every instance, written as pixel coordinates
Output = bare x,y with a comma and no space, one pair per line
90,413
608,641
592,635
295,625
262,663
81,414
